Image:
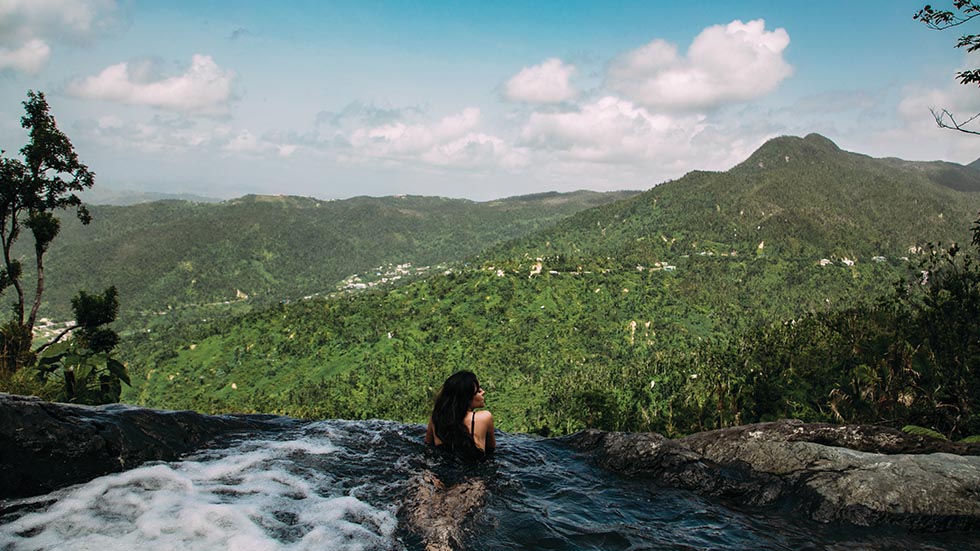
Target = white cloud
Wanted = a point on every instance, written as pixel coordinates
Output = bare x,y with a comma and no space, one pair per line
248,144
456,125
29,58
27,27
725,64
610,130
156,135
476,150
182,136
406,137
205,88
77,20
544,83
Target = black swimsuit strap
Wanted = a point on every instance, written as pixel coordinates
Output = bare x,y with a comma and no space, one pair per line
473,427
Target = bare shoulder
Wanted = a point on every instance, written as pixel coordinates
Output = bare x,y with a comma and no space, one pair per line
483,420
484,428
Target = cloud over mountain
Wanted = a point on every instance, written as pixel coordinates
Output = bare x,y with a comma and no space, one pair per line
729,63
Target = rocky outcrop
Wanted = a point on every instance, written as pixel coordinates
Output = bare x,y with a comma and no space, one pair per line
45,445
865,475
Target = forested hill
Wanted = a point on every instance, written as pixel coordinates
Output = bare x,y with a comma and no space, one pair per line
718,297
271,248
800,198
975,164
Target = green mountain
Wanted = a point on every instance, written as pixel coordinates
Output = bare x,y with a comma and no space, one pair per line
800,198
271,248
627,316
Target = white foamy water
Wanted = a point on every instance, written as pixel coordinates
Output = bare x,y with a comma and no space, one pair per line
256,496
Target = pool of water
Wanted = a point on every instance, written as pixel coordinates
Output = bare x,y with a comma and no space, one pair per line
345,485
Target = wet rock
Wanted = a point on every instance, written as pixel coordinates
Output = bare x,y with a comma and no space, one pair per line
45,445
864,475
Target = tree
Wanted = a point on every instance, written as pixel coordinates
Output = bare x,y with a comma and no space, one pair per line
941,20
91,375
30,192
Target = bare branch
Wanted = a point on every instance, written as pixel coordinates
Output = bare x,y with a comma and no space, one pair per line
941,120
56,339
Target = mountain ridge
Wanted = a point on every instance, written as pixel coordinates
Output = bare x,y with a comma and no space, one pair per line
172,253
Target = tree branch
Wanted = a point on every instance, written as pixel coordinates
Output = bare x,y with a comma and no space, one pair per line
56,339
943,19
942,115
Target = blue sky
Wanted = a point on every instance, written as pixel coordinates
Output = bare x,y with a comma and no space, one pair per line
470,99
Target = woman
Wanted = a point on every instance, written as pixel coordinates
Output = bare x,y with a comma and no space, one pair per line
455,425
437,512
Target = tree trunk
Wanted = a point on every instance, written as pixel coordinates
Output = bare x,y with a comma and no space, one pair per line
39,255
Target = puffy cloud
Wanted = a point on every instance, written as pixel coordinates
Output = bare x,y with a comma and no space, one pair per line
363,134
29,58
610,130
544,83
28,26
476,150
204,89
724,64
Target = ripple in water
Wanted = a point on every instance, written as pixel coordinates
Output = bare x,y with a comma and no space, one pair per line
340,485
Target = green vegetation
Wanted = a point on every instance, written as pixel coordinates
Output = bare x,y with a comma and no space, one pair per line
173,254
788,286
30,192
83,368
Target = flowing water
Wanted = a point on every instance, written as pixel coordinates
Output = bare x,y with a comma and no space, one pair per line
339,485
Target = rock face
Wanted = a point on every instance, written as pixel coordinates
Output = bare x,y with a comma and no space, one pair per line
45,446
864,475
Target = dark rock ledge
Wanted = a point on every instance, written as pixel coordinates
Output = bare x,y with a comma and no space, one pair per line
45,446
861,474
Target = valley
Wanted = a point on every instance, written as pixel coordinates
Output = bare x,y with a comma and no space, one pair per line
716,299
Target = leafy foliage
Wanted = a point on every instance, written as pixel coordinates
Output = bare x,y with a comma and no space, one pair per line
30,191
85,364
922,431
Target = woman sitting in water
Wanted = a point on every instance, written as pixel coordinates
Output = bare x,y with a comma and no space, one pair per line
455,425
434,511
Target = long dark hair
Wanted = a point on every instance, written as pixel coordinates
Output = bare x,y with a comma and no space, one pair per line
449,414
